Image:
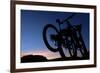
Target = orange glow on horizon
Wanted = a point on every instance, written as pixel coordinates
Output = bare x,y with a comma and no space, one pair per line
48,54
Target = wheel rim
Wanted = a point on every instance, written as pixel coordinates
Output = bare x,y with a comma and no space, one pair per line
46,37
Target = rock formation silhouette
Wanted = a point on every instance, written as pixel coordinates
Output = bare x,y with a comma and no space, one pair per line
33,58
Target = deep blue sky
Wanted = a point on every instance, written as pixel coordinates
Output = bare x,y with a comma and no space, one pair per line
33,22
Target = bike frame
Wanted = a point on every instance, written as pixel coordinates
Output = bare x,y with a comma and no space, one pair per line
74,35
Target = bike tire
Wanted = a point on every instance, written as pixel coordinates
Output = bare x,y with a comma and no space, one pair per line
71,50
45,38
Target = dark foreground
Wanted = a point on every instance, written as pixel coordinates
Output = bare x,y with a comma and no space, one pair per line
39,58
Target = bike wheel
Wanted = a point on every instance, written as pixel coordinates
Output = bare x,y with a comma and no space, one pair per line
47,31
83,52
71,50
71,47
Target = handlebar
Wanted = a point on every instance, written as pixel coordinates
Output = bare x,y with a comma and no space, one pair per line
66,20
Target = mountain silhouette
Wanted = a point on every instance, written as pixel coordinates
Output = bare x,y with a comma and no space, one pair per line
33,58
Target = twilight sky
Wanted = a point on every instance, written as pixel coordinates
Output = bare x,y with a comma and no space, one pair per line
32,24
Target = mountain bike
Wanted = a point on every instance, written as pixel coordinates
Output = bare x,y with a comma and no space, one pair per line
70,38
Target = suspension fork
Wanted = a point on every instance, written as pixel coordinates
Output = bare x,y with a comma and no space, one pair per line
60,46
60,42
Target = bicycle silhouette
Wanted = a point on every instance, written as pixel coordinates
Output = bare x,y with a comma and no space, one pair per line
69,38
